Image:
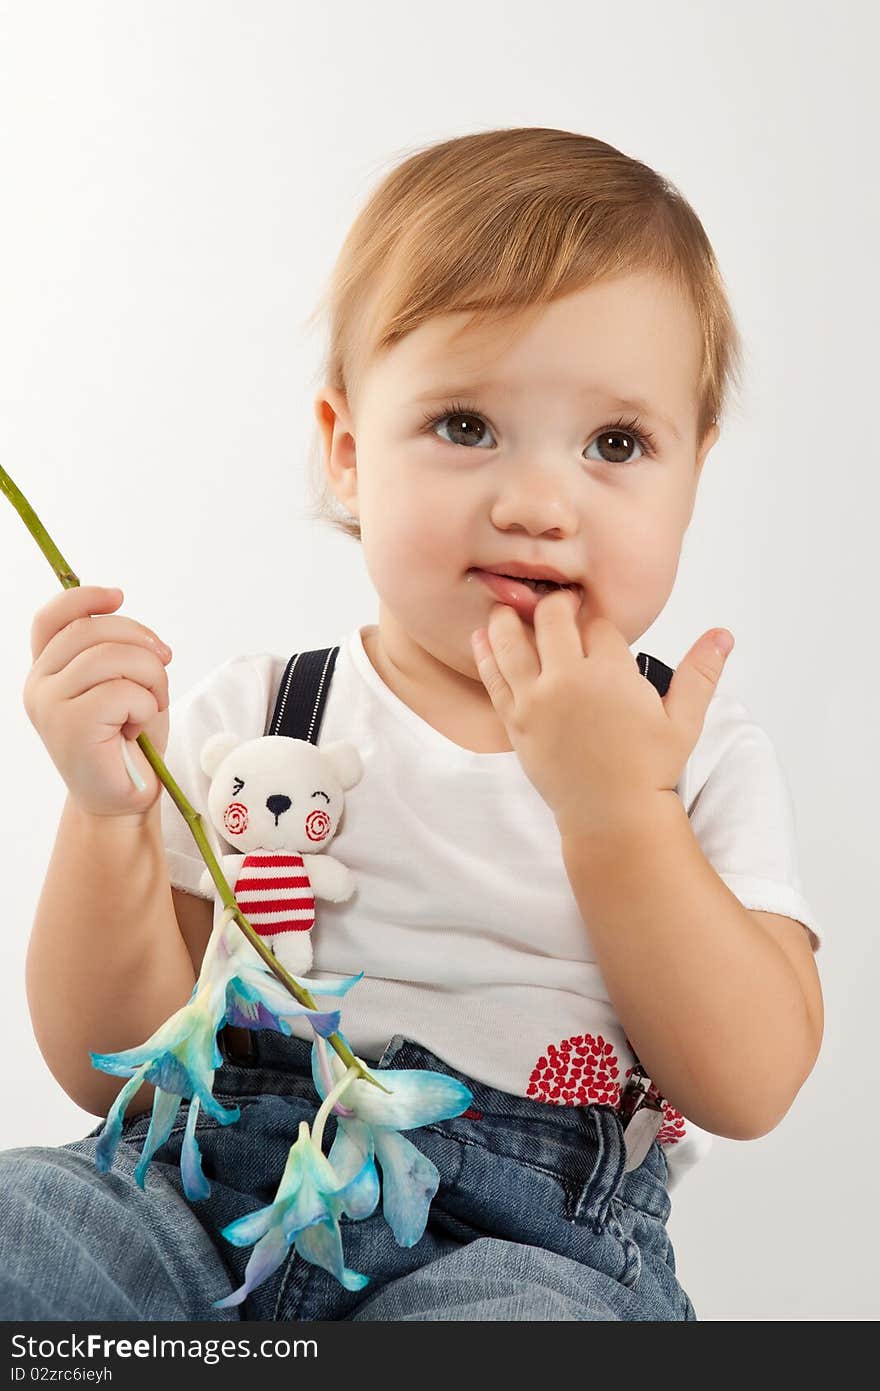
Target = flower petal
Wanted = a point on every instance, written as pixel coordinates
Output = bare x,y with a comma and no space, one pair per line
201,1088
169,1073
309,1205
266,1257
247,964
195,1185
191,1018
322,1245
409,1182
244,1231
256,999
351,1156
352,1145
246,1010
119,1064
325,1023
360,1195
165,1108
418,1096
109,1138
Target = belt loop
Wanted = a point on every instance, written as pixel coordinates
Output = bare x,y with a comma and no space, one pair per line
594,1199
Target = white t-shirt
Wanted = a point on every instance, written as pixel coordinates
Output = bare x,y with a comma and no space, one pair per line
463,918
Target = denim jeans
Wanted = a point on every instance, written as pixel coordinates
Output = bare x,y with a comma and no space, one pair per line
534,1218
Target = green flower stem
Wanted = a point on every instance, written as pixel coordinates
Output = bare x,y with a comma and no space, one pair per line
193,819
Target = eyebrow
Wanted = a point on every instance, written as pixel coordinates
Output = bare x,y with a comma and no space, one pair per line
627,403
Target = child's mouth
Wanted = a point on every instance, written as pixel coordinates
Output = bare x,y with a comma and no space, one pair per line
521,594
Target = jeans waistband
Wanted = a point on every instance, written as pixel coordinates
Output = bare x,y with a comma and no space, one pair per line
585,1144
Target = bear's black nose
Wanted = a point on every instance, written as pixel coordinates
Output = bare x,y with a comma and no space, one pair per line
277,805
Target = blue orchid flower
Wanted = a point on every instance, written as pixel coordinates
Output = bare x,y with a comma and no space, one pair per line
181,1057
305,1213
316,1190
367,1131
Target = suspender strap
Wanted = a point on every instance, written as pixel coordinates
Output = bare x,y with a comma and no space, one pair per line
304,687
657,672
302,695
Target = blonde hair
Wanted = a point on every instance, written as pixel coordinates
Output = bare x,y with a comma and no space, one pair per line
500,223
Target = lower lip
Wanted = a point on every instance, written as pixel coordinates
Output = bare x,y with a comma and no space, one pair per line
511,592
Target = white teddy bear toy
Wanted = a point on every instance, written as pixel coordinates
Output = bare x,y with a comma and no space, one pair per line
279,802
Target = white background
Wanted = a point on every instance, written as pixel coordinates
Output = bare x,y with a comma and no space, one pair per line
176,181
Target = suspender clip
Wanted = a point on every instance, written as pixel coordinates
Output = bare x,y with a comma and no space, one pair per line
641,1115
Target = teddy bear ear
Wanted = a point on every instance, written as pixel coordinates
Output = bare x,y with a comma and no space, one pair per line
215,749
345,762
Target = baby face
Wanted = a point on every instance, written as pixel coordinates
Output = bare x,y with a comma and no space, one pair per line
570,443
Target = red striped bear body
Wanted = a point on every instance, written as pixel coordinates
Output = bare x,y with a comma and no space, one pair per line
274,892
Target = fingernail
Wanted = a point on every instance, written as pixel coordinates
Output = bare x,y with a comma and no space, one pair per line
723,642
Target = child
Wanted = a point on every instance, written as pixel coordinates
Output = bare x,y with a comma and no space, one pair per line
530,349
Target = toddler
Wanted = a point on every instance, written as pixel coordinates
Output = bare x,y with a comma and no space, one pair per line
562,869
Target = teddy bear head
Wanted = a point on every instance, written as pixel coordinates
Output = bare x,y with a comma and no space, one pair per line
278,793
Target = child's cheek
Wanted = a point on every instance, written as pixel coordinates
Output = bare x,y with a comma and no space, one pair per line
634,538
412,559
440,519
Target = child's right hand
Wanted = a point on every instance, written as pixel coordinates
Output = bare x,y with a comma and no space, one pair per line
96,680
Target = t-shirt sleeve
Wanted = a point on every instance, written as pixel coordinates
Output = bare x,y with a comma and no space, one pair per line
235,697
742,813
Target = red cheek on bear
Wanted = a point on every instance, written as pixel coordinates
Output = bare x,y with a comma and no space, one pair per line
235,818
317,825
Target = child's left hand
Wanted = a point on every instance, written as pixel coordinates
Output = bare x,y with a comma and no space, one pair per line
592,734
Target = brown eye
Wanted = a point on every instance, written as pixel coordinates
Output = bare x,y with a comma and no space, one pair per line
616,441
615,446
467,427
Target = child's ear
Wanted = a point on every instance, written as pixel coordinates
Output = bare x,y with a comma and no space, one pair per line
339,449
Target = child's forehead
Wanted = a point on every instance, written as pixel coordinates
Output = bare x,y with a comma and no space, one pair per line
635,339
